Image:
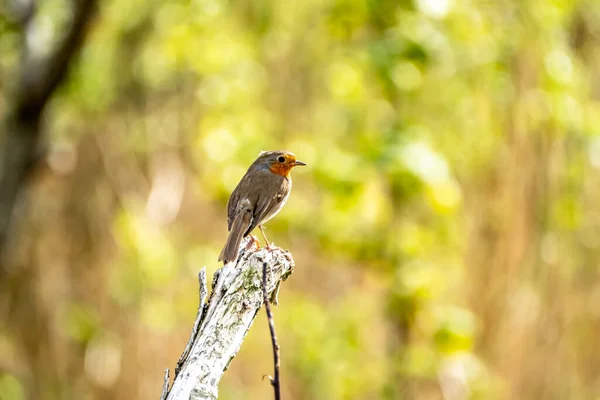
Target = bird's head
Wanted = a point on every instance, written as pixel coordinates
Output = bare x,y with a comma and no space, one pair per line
279,162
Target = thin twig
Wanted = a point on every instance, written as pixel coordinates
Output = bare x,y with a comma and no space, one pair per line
275,380
165,389
201,306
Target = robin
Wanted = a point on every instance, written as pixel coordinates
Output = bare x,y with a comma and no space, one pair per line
258,197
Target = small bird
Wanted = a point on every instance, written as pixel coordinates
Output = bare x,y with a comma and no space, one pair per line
258,197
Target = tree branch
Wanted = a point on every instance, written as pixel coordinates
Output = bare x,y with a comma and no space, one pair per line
201,311
224,321
165,388
275,379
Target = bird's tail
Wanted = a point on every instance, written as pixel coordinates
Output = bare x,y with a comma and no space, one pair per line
240,225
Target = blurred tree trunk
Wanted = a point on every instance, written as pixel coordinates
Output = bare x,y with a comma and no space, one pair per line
38,77
39,73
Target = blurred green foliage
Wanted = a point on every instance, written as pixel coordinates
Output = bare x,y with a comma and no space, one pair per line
446,231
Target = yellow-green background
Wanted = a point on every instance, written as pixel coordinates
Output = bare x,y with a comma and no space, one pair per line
446,230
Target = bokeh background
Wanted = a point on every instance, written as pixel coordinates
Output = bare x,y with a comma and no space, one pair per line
446,231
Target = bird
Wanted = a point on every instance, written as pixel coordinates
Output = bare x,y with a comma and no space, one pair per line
258,197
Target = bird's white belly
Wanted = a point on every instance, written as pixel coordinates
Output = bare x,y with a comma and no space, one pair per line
280,205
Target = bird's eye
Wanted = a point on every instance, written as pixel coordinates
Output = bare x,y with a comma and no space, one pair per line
281,159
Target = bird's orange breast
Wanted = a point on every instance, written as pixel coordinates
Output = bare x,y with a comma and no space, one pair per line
281,169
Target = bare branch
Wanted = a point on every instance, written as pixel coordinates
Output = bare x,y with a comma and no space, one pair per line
165,389
275,381
234,302
199,315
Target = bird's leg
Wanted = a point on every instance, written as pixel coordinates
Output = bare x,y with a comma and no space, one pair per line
265,236
253,241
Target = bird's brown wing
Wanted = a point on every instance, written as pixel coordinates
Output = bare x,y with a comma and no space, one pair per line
265,190
232,206
242,191
238,227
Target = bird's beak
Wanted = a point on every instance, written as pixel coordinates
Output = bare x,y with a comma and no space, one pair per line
299,163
